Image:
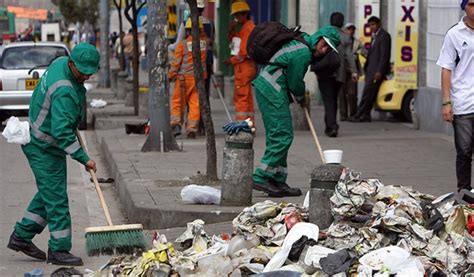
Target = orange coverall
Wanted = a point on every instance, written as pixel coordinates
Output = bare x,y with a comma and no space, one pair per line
185,91
245,71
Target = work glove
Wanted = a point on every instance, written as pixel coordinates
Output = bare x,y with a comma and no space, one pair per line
235,127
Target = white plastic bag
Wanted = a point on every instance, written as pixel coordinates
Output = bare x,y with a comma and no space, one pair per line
17,131
98,103
200,194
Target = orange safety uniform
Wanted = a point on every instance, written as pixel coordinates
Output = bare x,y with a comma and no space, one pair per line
185,91
245,71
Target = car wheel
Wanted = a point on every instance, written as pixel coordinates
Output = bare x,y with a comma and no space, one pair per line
408,105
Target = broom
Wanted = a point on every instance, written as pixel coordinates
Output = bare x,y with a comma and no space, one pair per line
107,240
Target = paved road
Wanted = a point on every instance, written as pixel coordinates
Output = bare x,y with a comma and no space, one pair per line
17,188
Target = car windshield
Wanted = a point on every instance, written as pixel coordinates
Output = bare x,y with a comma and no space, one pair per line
27,57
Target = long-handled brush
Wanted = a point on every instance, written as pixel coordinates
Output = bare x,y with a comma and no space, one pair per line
111,239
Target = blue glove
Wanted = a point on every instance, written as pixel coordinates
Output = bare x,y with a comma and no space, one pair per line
234,127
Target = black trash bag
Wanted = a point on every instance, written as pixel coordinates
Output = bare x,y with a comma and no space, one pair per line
433,218
66,272
298,247
337,262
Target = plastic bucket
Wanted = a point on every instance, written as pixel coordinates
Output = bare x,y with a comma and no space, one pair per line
333,156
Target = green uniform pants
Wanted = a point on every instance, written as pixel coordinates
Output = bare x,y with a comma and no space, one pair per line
278,137
50,204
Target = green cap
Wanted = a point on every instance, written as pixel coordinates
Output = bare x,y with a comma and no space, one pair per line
86,58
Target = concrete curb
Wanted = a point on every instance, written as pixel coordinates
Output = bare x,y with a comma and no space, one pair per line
139,205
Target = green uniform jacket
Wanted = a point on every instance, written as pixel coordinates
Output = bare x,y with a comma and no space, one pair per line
56,109
292,62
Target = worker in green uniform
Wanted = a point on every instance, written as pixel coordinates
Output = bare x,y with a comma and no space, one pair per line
56,109
283,75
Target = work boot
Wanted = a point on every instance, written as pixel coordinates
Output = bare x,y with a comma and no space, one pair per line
191,135
28,248
270,189
176,130
287,190
63,258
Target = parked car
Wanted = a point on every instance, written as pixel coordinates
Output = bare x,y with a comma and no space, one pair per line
21,66
399,101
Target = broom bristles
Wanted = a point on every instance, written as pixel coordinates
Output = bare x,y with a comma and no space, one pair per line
122,239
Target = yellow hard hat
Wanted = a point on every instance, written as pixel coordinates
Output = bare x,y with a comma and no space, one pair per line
189,23
239,7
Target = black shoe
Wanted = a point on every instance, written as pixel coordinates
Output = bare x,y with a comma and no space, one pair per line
289,191
270,189
332,133
191,135
28,248
63,258
360,119
176,130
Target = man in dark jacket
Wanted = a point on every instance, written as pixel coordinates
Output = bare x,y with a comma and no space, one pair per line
376,68
331,72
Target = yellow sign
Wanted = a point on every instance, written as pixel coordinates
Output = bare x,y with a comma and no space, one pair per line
406,44
21,12
367,9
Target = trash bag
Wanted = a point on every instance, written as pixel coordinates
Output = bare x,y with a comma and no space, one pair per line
200,194
17,131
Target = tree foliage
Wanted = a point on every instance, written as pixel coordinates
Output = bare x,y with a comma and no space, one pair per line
78,10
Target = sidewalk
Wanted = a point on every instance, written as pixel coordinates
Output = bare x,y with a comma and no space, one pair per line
149,184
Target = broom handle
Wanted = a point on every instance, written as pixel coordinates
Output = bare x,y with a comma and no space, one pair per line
313,132
214,82
96,183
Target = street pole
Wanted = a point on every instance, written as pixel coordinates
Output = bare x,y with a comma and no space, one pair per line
104,74
160,137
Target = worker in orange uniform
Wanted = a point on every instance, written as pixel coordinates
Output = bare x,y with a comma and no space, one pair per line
245,69
185,93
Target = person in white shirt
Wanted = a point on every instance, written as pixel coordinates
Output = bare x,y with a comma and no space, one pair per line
457,84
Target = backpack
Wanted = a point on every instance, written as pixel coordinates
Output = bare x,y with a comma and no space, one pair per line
269,37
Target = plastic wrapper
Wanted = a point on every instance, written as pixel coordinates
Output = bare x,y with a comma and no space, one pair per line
200,194
17,131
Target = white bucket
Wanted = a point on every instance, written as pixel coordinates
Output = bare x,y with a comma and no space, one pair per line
333,156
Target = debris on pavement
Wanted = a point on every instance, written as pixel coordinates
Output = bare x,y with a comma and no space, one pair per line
378,230
98,103
197,194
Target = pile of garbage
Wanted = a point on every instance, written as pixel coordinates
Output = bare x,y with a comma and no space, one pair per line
377,231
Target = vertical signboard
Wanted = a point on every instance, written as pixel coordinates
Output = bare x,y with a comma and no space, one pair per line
406,44
367,8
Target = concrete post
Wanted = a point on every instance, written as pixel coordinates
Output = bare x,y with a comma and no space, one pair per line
323,181
237,170
122,85
113,79
300,123
129,93
219,76
143,102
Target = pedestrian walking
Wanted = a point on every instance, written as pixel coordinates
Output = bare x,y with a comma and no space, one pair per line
245,69
456,60
376,67
128,51
56,109
348,95
284,75
331,81
185,93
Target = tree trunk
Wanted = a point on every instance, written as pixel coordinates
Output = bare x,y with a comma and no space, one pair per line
132,4
104,76
122,56
211,164
159,101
